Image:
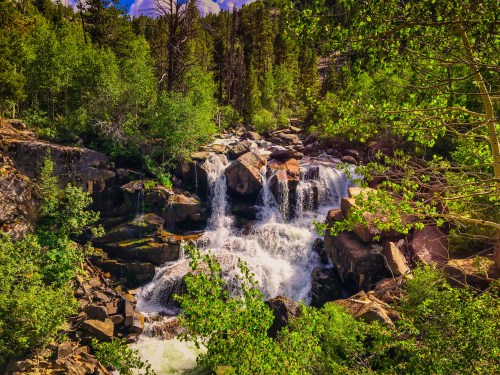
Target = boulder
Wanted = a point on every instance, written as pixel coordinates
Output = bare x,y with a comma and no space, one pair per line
283,172
284,310
183,212
311,138
395,260
253,136
368,308
430,245
243,176
102,330
218,148
289,139
326,286
128,312
478,272
319,248
284,154
359,265
352,153
194,177
90,170
334,215
95,312
239,149
348,159
135,273
312,149
137,323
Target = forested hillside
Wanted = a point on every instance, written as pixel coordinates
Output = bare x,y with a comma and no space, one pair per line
232,129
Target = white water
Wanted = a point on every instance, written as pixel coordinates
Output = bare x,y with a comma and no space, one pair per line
277,249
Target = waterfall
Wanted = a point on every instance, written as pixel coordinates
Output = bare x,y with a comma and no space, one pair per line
283,199
277,247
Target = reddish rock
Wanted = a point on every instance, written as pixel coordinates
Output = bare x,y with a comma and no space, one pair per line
430,245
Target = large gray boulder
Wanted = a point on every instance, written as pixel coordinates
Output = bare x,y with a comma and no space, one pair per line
243,176
359,265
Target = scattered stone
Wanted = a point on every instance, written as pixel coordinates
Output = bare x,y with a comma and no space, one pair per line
395,260
101,330
64,349
95,312
252,136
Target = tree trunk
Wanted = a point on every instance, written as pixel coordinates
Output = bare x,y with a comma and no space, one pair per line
489,123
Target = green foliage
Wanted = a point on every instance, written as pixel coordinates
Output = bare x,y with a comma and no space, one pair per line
159,172
436,321
449,330
264,121
120,357
184,121
234,330
31,312
62,213
35,293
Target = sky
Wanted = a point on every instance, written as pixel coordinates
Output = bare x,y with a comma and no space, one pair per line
137,7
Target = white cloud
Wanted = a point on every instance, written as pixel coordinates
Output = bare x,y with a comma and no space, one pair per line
147,7
208,6
143,7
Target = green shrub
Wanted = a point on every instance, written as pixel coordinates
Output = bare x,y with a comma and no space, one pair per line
264,121
120,357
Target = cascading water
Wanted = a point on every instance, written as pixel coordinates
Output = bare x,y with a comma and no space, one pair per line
277,249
